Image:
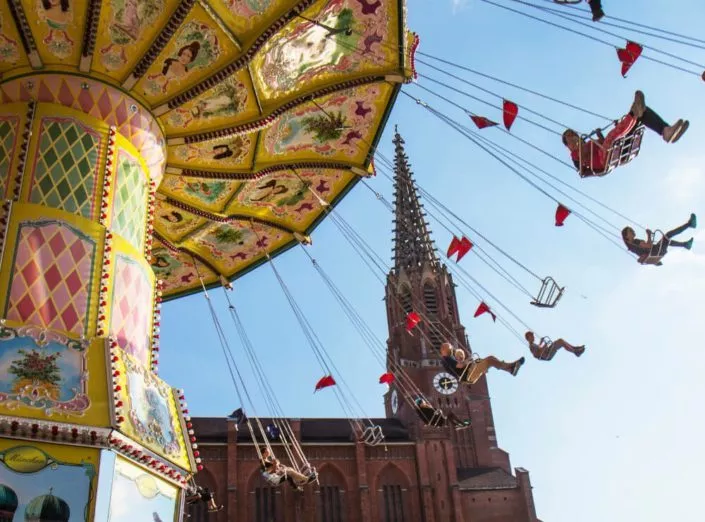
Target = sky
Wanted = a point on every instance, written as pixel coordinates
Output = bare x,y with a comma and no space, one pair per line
612,436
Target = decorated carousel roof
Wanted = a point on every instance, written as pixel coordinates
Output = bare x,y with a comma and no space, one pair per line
266,110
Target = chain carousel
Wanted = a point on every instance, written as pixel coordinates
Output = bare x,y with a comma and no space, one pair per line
146,146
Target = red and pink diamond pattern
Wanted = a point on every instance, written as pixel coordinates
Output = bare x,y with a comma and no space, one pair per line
51,277
131,311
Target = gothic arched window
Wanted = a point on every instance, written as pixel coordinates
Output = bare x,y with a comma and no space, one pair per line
331,496
393,495
265,502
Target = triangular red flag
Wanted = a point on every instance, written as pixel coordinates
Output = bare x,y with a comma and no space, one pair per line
561,214
482,309
454,246
482,122
628,56
509,113
386,378
412,319
324,383
465,246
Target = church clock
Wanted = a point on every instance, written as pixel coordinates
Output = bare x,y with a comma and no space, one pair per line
395,401
445,383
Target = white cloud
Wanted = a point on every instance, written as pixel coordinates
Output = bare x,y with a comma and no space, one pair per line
458,5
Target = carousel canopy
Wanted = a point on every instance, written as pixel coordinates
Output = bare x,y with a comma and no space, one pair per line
266,110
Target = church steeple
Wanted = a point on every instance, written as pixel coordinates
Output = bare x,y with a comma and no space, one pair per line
412,241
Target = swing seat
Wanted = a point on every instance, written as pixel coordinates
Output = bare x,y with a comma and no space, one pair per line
275,479
658,250
549,294
372,435
570,2
437,419
548,351
623,150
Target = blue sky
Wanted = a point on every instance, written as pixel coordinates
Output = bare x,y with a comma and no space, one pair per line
612,436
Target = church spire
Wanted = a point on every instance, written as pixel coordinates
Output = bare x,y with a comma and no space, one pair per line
412,241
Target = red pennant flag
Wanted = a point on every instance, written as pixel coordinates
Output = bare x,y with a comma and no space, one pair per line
324,383
412,319
482,122
386,378
561,214
628,56
482,309
509,113
454,246
465,246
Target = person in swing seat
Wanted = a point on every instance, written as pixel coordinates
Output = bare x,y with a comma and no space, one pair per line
275,472
470,371
546,350
590,156
201,494
437,418
645,249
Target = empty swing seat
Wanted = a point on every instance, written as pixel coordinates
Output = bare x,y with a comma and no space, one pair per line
372,435
549,294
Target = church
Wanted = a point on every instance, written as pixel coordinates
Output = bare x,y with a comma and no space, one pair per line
420,473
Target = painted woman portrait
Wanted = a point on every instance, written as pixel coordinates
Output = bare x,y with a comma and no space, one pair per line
57,13
178,67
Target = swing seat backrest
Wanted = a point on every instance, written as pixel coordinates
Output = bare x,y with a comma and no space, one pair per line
658,250
437,419
372,435
624,149
546,351
549,294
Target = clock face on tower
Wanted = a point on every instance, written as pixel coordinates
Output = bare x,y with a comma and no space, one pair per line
445,383
395,401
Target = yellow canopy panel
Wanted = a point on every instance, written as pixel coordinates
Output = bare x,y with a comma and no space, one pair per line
270,109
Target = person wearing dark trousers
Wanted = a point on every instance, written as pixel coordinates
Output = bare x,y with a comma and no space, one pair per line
652,248
590,156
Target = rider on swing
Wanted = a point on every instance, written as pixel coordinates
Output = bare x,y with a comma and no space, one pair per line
275,472
645,249
437,418
545,350
470,372
590,156
200,494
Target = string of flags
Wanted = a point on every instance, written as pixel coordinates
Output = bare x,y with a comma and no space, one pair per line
510,110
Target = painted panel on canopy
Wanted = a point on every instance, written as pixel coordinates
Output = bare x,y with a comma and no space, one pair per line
12,121
12,53
206,194
125,31
174,223
198,48
48,477
306,132
51,377
230,102
135,490
150,411
223,154
247,18
57,26
177,270
229,247
283,198
303,58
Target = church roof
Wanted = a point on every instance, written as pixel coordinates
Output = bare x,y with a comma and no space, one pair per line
412,239
485,478
313,430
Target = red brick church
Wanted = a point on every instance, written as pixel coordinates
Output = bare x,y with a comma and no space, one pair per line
420,474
